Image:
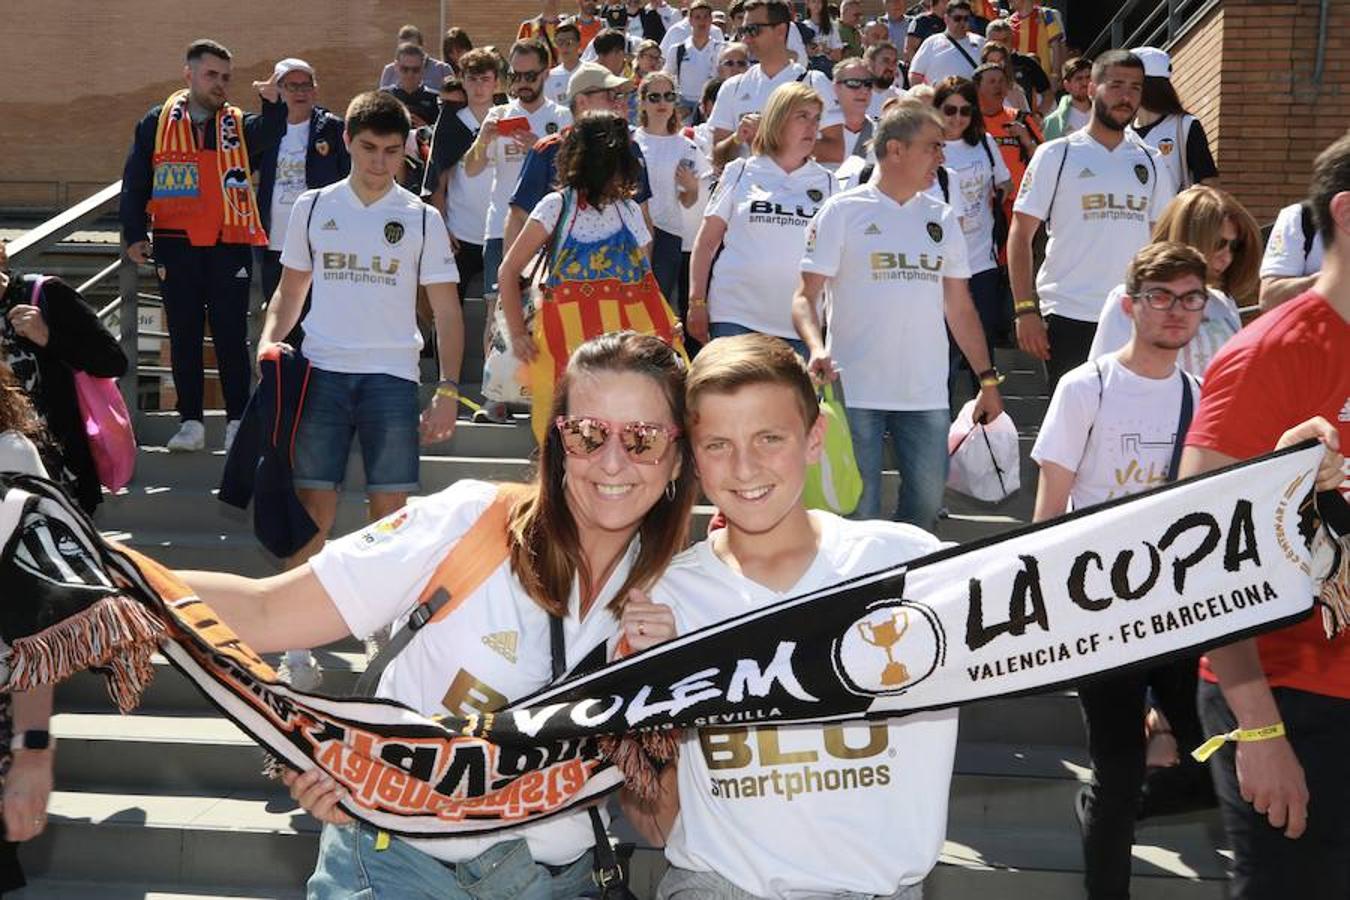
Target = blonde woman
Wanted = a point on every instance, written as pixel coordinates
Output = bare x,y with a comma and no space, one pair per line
758,218
1213,222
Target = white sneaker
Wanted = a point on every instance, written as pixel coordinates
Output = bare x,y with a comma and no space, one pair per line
231,429
191,436
303,674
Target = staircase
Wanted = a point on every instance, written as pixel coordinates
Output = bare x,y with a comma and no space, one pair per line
168,802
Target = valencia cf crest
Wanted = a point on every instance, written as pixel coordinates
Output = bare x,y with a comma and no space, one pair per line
935,232
393,232
815,195
551,128
1141,172
1166,146
321,148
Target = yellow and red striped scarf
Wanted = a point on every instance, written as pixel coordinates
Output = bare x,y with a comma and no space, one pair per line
177,183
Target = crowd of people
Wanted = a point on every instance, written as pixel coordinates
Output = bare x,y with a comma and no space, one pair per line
686,222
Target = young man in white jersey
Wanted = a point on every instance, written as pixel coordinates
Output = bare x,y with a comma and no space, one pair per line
894,261
846,810
953,52
366,245
1099,192
505,152
1115,427
1293,258
765,32
693,59
568,44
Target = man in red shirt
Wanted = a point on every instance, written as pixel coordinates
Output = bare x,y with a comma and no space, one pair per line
1286,799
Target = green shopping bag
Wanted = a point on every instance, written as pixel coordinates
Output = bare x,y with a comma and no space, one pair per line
834,483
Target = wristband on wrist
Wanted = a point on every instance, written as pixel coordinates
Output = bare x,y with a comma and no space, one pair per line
450,392
698,302
990,377
1027,306
1240,735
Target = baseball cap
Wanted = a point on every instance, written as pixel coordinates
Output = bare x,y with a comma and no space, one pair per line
592,77
291,64
1157,64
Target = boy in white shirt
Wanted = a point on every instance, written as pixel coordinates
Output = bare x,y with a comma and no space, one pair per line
1115,427
791,811
366,245
567,41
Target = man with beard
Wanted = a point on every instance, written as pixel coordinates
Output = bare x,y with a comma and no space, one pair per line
189,171
1099,192
883,62
953,52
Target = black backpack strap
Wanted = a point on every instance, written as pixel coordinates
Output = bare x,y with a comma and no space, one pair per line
398,642
944,182
1050,209
1305,214
1183,424
679,62
309,221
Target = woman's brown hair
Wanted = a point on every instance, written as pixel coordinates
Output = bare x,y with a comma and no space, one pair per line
16,410
545,544
1196,217
596,161
674,122
956,86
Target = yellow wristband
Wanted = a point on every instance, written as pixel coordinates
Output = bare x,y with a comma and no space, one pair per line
698,303
1022,306
991,381
447,391
1211,746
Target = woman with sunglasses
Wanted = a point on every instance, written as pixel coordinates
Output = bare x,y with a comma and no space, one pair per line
677,172
755,225
1221,228
604,513
594,273
981,181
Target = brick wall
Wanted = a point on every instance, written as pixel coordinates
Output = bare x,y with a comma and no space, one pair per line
1248,73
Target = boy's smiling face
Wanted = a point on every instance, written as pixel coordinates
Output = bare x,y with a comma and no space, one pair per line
752,447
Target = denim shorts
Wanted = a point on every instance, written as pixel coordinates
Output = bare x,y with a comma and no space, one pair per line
350,868
686,884
380,409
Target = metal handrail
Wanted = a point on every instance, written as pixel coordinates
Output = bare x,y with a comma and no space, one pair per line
1165,23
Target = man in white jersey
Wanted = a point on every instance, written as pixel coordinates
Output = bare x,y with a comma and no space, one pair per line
504,151
693,59
953,52
883,61
894,262
567,41
767,24
1099,192
1293,257
853,809
366,244
1115,427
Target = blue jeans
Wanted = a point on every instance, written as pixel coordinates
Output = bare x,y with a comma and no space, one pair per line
919,438
666,258
350,868
731,329
380,409
493,251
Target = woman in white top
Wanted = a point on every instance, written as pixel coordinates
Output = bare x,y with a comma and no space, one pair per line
757,218
1213,222
1164,124
676,171
827,32
27,773
979,182
605,513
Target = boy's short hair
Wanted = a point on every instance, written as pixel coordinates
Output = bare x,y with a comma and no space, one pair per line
1163,261
568,28
1331,176
728,364
480,61
1073,66
205,46
378,112
608,41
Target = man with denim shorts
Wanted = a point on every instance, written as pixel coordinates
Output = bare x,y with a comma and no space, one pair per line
894,260
366,244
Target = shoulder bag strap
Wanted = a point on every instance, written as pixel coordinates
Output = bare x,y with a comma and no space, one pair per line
1183,140
1050,209
1305,215
475,556
964,52
1183,424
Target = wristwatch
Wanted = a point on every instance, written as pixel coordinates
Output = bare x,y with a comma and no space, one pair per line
32,739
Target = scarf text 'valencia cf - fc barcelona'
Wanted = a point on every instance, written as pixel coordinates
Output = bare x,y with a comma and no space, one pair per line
1180,568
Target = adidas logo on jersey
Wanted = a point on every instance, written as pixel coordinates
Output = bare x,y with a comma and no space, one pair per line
872,229
242,273
1087,173
503,643
330,225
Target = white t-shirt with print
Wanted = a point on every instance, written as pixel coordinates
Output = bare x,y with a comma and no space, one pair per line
506,158
1219,323
972,194
290,181
879,815
697,67
766,211
1115,432
494,648
750,90
886,262
367,262
555,87
588,223
682,31
938,57
467,196
1103,212
664,153
1284,256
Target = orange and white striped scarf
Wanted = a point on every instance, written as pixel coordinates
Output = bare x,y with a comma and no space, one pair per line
177,177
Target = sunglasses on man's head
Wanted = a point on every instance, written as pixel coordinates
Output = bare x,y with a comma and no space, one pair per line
645,443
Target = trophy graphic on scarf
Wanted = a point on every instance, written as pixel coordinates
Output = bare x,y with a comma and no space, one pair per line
886,635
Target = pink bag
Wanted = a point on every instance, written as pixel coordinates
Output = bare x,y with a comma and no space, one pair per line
107,424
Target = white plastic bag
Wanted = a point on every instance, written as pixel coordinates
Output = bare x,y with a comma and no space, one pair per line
504,376
985,459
